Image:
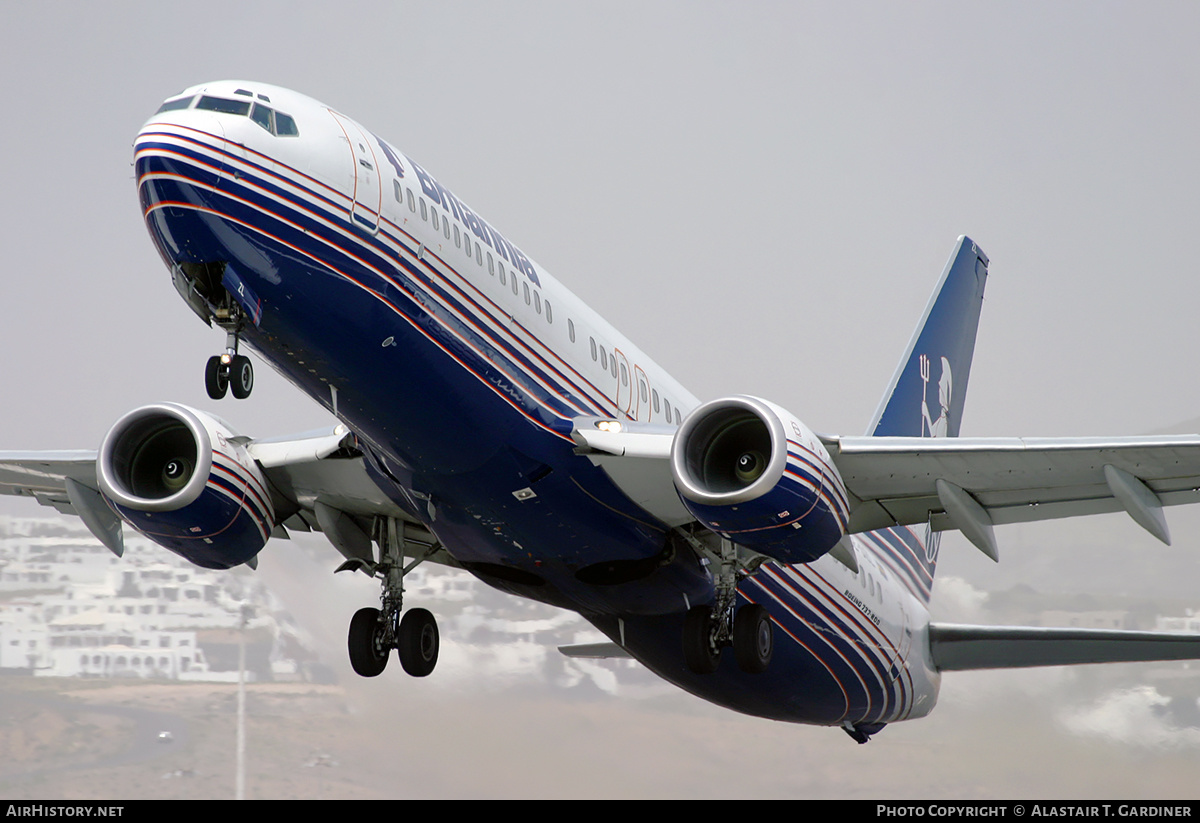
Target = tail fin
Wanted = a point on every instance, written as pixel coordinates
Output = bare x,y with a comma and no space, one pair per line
940,353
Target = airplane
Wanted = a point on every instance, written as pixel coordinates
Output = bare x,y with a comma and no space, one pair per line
491,422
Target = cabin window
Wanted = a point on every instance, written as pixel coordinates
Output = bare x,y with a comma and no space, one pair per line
549,314
424,213
604,358
593,342
654,395
479,254
457,237
467,245
676,416
446,227
537,302
412,203
624,375
514,284
398,191
435,219
642,390
503,281
491,264
527,300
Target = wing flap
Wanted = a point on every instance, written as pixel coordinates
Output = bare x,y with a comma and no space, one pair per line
964,648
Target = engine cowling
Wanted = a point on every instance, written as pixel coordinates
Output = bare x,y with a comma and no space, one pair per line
753,473
181,478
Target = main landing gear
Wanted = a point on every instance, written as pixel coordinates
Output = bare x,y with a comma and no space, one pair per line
229,371
375,632
710,627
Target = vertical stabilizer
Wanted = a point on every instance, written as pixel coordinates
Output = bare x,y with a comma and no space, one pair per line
926,395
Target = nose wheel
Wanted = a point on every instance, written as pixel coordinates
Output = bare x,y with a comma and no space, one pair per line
227,371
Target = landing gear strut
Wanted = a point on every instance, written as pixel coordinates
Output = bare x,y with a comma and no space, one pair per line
229,371
375,632
709,628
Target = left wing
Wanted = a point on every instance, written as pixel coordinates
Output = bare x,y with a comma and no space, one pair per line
317,482
43,475
964,483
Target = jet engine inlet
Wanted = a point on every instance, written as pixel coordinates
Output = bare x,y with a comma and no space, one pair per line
156,458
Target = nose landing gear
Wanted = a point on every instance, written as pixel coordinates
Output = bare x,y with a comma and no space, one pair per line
229,371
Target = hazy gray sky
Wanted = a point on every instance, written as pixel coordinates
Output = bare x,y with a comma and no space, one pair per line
761,195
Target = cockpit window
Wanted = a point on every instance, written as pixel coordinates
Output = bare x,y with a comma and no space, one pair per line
175,105
219,104
262,115
285,125
273,121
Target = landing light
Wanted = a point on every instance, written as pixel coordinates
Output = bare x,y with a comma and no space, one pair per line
608,426
226,359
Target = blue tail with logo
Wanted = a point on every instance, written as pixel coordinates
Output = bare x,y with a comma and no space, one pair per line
926,396
928,390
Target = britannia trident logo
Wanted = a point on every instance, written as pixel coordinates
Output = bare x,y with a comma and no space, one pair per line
939,426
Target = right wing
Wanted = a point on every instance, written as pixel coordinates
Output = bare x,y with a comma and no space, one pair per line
971,483
964,483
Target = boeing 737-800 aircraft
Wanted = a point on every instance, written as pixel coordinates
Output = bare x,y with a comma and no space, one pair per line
492,422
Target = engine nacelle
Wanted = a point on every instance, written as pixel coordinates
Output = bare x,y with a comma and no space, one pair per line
179,477
751,472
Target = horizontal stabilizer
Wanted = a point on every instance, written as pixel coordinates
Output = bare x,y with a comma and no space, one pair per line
961,648
596,651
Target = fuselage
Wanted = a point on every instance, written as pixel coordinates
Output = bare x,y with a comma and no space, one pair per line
460,364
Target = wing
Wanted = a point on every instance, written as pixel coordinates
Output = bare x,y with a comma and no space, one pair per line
43,475
972,483
318,482
969,484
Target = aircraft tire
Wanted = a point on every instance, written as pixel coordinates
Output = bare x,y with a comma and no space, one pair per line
241,376
753,638
698,651
418,642
368,654
216,382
